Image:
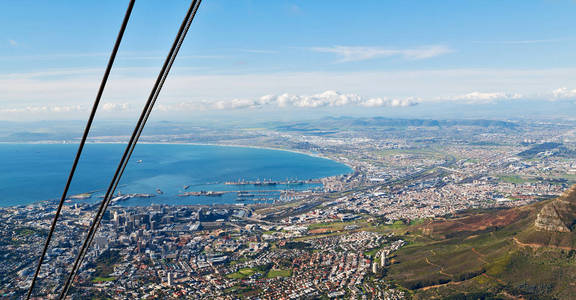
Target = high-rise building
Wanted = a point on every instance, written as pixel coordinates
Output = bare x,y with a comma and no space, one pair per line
383,258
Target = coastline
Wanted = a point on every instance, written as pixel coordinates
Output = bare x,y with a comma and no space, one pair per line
317,155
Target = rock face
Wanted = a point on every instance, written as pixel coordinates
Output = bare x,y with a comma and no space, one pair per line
549,219
558,215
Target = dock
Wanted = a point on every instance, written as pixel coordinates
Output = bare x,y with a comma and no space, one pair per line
272,182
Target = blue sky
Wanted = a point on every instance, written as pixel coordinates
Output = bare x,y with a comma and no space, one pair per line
242,55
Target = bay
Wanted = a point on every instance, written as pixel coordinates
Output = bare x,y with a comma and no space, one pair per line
36,172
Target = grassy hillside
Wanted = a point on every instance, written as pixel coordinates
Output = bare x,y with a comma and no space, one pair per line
490,255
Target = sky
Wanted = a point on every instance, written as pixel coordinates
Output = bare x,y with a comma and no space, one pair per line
287,59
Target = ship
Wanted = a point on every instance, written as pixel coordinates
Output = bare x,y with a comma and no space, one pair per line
202,193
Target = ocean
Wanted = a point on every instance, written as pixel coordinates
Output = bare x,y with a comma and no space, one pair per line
37,172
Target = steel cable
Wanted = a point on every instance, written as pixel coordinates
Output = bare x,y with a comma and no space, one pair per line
82,143
133,140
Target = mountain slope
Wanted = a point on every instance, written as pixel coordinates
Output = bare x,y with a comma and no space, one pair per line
527,252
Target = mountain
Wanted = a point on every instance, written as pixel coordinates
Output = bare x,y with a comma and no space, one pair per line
526,252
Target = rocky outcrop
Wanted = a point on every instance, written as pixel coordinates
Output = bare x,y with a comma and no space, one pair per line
558,215
549,219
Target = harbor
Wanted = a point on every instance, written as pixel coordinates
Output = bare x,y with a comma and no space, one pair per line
272,182
248,195
277,191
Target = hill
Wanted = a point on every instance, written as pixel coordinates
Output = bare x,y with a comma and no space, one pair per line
526,252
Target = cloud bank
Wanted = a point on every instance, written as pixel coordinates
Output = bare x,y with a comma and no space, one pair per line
106,107
282,101
60,93
325,99
564,94
483,98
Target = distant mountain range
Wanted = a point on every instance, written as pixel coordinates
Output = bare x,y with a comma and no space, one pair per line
71,130
379,121
526,252
347,122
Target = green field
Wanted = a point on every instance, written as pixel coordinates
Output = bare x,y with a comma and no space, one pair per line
279,273
513,179
103,279
242,273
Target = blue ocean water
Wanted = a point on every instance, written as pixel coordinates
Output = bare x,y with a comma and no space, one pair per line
35,172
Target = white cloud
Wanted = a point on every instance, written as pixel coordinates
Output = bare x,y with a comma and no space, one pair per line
328,98
116,107
376,102
351,53
12,43
42,87
44,109
233,104
192,91
106,107
325,99
480,97
335,99
564,93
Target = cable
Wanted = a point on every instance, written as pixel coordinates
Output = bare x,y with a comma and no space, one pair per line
82,143
138,134
133,140
148,112
131,145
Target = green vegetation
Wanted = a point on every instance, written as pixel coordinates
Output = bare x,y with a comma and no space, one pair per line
372,252
279,273
297,245
242,273
332,225
486,255
417,221
26,231
398,227
103,279
105,263
513,179
247,272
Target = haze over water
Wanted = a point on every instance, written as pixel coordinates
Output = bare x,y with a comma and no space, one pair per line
34,172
